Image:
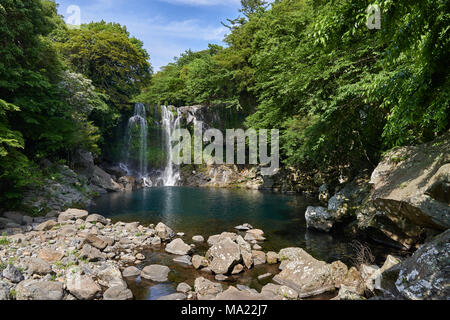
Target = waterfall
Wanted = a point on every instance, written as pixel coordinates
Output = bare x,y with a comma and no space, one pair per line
138,121
170,123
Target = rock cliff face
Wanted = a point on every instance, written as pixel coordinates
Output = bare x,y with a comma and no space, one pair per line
410,195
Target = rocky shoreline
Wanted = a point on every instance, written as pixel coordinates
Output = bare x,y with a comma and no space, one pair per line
82,256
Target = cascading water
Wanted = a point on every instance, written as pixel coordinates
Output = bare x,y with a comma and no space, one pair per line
138,121
170,123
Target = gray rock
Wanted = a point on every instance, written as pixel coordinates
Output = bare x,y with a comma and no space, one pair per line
184,288
4,291
39,290
183,260
164,232
16,217
198,239
319,218
173,297
12,274
131,272
82,287
47,225
72,214
37,266
303,273
178,247
199,262
426,274
259,257
272,257
92,254
155,273
109,275
223,256
96,242
96,218
118,293
205,289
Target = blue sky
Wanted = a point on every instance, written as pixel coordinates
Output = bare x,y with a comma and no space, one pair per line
167,27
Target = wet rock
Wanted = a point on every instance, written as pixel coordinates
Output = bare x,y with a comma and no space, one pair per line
198,239
164,232
39,290
72,214
118,293
223,256
348,293
319,218
254,234
155,273
184,260
205,289
324,193
264,276
199,262
131,272
178,247
12,274
244,227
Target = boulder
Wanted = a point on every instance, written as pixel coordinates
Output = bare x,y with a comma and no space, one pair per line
178,247
118,293
259,257
82,287
164,232
304,274
4,291
254,235
199,262
272,257
50,255
425,275
319,218
39,290
411,190
155,273
131,272
198,239
96,218
223,256
205,289
110,276
37,266
72,214
16,217
246,252
96,242
233,294
12,274
212,240
184,288
92,254
45,226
